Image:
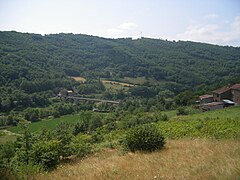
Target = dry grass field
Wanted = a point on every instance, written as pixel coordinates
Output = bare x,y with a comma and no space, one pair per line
117,83
79,79
181,159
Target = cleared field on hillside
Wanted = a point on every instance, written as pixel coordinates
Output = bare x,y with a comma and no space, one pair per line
181,159
48,124
79,79
141,80
117,83
114,85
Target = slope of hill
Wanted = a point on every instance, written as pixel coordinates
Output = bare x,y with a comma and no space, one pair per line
31,56
196,154
181,159
34,67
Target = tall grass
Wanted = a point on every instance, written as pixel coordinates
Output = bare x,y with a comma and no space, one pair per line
181,159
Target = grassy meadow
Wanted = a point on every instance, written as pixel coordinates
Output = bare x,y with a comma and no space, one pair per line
48,123
79,79
180,159
114,85
140,80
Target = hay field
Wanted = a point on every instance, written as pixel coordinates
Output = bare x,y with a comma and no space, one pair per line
181,159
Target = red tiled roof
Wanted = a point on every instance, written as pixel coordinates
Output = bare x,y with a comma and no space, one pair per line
205,96
236,86
222,90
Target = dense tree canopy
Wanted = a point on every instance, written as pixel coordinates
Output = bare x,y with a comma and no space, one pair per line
32,66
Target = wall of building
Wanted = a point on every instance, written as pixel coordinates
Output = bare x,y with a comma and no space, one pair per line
211,107
206,100
236,96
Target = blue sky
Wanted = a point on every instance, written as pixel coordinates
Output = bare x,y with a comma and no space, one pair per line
211,21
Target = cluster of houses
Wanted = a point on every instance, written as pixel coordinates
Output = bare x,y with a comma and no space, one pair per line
220,98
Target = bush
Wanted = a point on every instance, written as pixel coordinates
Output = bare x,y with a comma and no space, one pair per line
81,145
182,111
46,153
31,114
145,138
162,117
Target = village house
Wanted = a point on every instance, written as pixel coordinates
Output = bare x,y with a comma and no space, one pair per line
222,93
223,97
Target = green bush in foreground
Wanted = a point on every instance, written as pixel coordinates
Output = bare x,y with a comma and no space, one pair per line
144,138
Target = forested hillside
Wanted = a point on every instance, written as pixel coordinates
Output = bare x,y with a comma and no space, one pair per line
32,56
32,63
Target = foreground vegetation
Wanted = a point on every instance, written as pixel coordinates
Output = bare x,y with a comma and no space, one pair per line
181,159
90,133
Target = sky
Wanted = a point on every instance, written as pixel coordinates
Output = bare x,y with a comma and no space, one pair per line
209,21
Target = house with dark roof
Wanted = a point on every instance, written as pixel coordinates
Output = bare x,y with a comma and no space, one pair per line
222,93
223,97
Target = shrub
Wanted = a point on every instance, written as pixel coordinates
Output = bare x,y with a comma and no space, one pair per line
31,114
182,111
145,138
46,153
81,145
163,117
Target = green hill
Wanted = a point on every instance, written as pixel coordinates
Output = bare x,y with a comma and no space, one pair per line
28,57
34,67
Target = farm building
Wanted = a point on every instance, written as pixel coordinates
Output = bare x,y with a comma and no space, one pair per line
223,97
222,93
205,99
212,106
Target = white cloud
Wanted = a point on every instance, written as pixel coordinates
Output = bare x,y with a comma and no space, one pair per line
122,28
213,33
211,16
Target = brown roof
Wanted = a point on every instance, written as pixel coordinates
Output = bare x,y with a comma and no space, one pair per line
205,96
236,86
222,90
